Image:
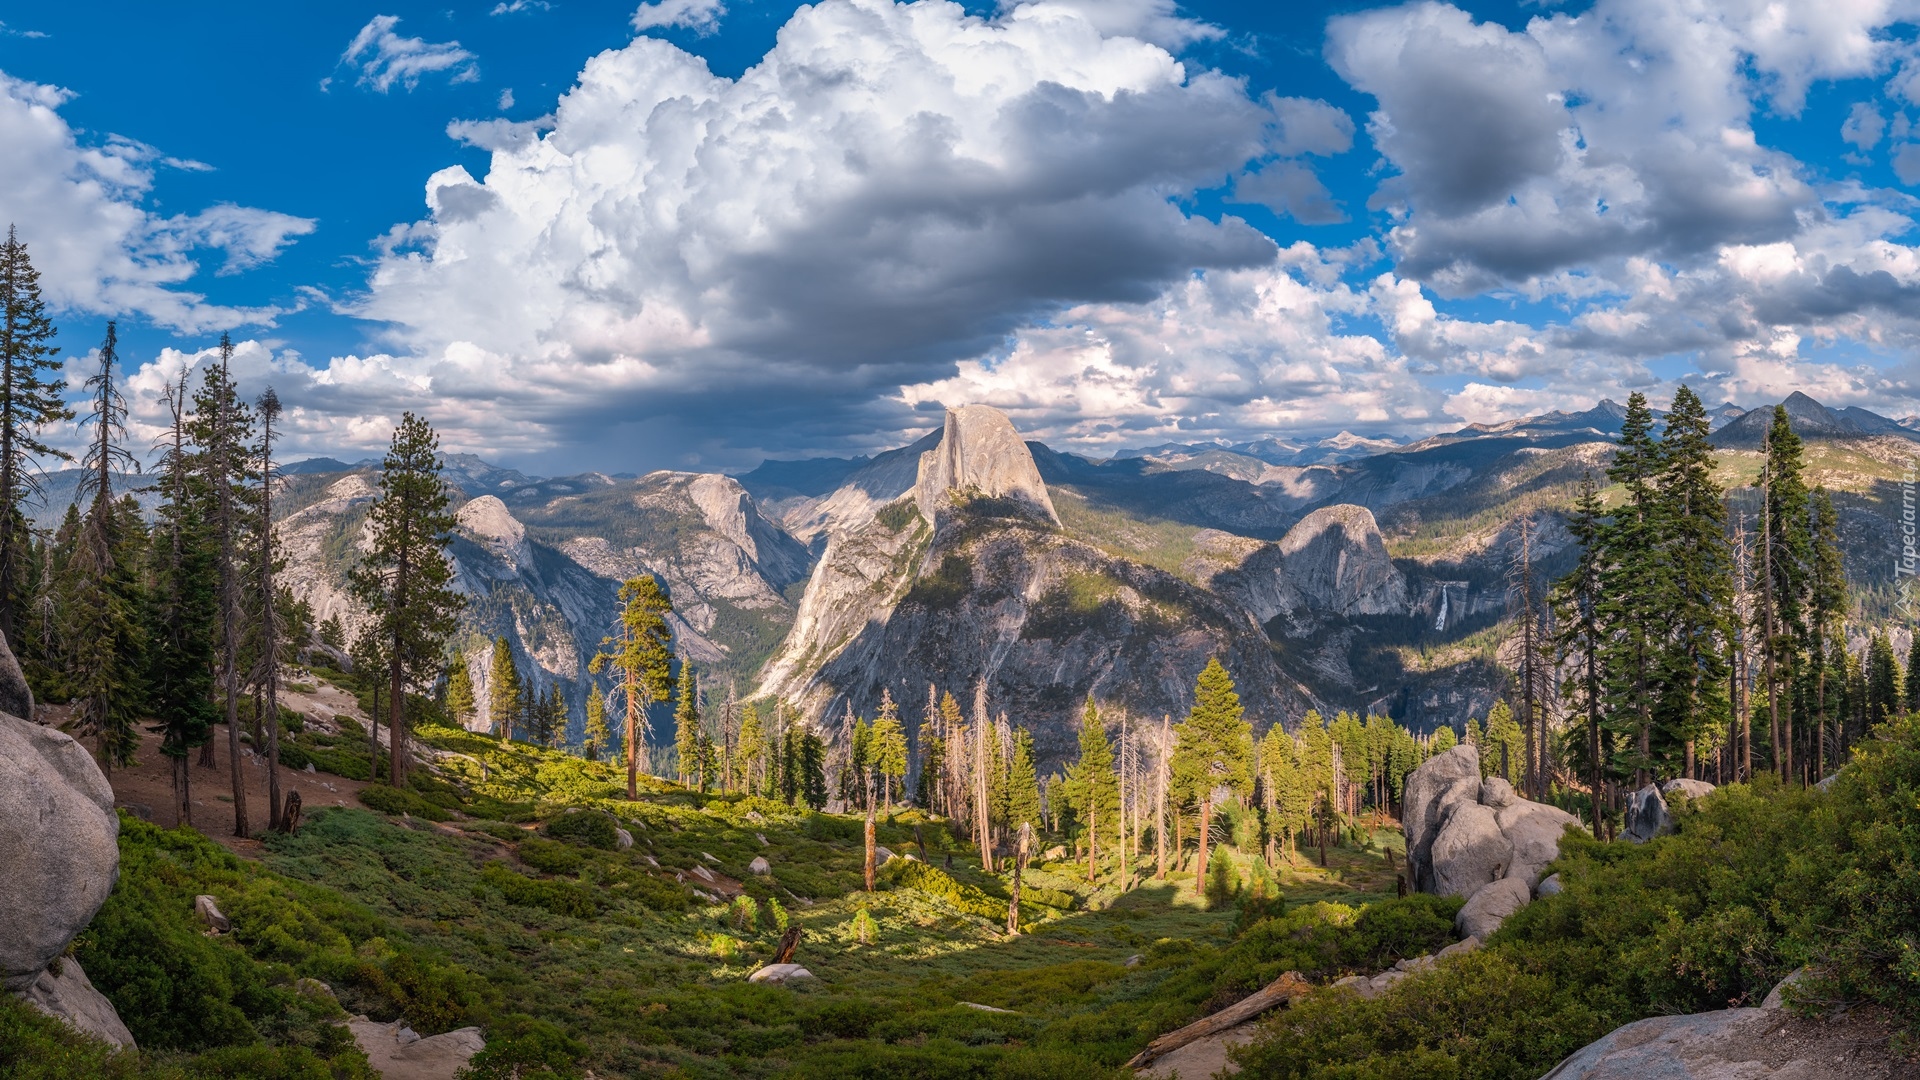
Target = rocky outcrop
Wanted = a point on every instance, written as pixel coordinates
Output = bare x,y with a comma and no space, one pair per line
980,453
16,697
1336,559
397,1053
1647,814
63,991
1039,618
58,845
59,858
1762,1043
1476,839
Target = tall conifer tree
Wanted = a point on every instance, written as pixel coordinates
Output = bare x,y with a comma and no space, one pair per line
1092,786
184,610
222,429
642,652
1215,750
1697,585
106,641
405,578
29,400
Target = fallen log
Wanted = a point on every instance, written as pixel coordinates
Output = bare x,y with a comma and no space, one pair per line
1278,992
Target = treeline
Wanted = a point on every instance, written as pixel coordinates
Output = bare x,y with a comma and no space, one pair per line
178,621
1702,632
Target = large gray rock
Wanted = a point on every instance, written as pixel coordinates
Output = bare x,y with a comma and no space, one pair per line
16,697
69,995
1534,829
59,856
1647,815
1432,790
1693,789
1731,1044
1470,851
1490,907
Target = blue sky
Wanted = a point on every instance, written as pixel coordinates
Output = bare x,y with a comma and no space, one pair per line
755,229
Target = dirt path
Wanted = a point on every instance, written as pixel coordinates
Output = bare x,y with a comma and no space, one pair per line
146,788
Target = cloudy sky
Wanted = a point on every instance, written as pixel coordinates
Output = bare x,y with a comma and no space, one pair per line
693,233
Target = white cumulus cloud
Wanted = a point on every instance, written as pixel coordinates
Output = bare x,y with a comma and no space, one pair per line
79,207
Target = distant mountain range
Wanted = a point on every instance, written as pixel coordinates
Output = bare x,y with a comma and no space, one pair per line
1350,572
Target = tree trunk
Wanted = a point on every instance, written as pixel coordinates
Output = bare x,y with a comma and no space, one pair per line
869,837
396,723
633,751
1206,831
1019,863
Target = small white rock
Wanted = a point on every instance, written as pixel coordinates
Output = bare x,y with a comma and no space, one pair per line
760,865
780,973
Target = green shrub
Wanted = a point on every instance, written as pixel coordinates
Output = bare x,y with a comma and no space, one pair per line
393,800
549,857
585,827
1223,881
912,874
560,897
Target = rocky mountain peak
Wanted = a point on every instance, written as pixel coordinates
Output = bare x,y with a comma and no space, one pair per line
487,518
979,450
1336,558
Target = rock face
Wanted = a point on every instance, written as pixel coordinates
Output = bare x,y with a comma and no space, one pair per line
1490,907
16,697
1647,815
58,845
980,452
397,1053
1476,839
1732,1044
59,858
70,996
1432,790
1338,562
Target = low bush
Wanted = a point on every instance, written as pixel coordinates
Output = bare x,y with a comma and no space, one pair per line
393,800
585,827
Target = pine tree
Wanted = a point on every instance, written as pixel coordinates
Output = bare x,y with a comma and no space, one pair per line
1697,586
751,760
1505,743
369,656
1632,584
332,634
1883,681
1091,786
29,400
460,703
1215,750
596,735
811,768
887,748
686,725
503,690
1913,675
183,612
1786,554
268,622
1443,740
222,429
1826,614
405,579
643,655
1580,639
933,763
103,604
1023,784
